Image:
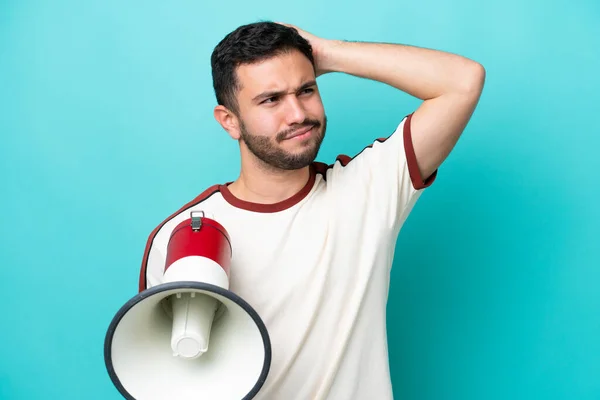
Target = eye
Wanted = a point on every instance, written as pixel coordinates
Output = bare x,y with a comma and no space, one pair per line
307,91
269,100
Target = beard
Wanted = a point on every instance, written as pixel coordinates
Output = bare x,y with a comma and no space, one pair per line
267,150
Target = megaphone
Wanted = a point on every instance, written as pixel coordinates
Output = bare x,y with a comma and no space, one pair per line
189,337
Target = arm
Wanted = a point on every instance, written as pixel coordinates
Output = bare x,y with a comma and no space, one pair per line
448,84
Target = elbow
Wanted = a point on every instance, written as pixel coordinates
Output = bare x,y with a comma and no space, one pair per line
474,79
478,75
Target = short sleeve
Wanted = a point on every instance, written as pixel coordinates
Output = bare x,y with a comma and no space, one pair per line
383,179
155,268
153,264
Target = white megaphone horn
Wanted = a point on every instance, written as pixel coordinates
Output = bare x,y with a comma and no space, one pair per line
189,337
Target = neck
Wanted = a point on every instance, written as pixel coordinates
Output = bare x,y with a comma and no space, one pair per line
265,185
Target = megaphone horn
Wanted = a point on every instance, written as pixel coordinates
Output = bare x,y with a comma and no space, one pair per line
189,337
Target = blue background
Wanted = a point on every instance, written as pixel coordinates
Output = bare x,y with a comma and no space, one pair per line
106,128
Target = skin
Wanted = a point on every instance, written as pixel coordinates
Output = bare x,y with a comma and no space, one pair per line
273,166
449,86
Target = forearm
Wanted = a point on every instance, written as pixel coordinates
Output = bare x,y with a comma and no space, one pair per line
420,72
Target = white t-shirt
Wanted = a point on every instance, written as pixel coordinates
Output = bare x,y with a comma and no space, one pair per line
316,268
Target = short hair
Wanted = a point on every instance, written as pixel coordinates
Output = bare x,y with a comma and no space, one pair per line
249,44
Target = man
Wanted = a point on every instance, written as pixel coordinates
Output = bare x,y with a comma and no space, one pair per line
313,242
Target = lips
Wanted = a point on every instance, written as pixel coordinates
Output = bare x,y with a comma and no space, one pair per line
300,132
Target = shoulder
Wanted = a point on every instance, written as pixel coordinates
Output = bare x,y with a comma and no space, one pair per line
392,152
203,197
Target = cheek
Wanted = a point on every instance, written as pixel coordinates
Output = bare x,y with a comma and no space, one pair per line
315,107
263,124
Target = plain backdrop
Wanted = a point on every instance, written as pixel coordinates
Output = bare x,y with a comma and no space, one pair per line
106,128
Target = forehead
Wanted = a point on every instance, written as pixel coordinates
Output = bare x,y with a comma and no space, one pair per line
286,71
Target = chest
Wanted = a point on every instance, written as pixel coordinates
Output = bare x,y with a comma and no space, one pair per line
277,253
305,260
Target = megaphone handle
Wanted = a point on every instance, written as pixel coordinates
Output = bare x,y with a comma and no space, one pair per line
193,315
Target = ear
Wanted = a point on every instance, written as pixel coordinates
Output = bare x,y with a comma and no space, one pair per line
228,121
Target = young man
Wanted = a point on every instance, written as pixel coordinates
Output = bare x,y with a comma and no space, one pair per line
313,242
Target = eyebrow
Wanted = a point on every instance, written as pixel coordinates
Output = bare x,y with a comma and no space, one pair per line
275,93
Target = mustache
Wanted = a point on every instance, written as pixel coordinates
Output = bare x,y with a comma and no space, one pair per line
305,124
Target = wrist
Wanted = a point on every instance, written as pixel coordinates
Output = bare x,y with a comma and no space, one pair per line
326,55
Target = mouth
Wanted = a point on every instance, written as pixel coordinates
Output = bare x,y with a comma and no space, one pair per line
301,133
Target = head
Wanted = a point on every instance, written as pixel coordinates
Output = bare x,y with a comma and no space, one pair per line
265,83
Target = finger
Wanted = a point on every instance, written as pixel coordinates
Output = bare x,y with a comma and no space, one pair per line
288,25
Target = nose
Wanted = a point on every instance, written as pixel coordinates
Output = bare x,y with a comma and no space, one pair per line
294,111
